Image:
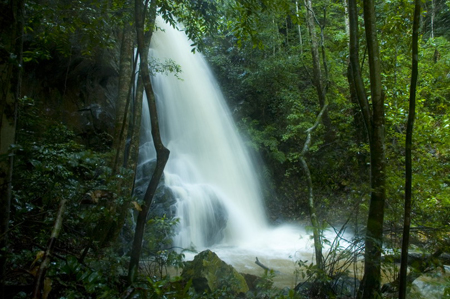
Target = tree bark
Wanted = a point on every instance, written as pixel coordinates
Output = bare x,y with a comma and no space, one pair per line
317,70
374,234
11,41
162,153
433,15
137,113
123,99
40,276
311,206
408,145
299,30
356,70
374,121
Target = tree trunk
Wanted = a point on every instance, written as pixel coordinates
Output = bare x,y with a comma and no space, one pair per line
11,32
123,99
311,206
433,15
355,68
408,144
162,153
40,276
299,30
374,234
374,121
137,113
317,70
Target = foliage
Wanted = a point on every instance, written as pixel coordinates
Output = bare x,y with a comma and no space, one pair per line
269,88
51,165
274,100
159,253
198,18
335,279
69,26
265,71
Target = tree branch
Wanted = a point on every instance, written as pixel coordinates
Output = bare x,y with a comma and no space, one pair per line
408,145
39,279
162,153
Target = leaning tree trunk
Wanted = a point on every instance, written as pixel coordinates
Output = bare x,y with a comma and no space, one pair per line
137,113
11,33
311,206
40,276
408,161
162,153
123,99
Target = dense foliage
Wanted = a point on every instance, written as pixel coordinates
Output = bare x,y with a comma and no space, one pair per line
260,53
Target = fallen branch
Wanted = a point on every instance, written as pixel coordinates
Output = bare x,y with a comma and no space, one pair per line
265,267
261,265
39,279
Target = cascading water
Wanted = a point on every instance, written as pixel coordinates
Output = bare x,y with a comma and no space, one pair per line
209,172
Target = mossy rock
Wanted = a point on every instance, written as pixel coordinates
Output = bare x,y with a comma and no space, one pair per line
209,273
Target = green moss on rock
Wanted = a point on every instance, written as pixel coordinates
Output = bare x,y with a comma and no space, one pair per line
209,273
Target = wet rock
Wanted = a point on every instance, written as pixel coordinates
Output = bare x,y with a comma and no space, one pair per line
164,201
217,222
345,286
432,285
209,273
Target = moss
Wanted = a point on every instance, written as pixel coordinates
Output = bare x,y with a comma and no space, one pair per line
209,273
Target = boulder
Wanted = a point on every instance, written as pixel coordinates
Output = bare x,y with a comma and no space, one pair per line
209,273
164,202
252,281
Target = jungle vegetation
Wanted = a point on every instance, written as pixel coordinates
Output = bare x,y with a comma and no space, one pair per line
346,102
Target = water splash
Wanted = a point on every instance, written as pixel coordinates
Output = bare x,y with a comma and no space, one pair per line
210,174
209,171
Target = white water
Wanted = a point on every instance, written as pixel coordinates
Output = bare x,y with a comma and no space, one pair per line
210,168
208,164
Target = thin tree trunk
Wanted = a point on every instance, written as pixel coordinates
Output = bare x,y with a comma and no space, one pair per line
346,18
11,36
312,209
137,108
122,103
374,234
40,276
131,102
433,15
299,30
356,70
162,153
374,120
408,145
317,70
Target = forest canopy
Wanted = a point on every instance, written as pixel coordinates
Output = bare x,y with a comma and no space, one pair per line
335,99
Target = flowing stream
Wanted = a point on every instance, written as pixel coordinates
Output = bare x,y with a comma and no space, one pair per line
210,173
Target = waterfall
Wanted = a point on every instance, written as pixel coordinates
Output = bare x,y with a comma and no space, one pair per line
209,172
210,183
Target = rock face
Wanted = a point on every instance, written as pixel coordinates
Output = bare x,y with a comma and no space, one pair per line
167,201
432,285
164,202
209,273
78,91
